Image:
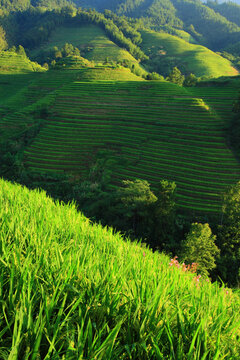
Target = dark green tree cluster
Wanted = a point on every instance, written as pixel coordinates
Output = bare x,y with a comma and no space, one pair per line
35,26
156,12
212,24
234,128
230,10
176,77
217,31
124,24
154,76
20,5
52,56
199,247
132,207
228,236
3,42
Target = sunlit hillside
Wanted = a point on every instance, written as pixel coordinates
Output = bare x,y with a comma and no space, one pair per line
154,130
71,289
166,51
13,63
93,43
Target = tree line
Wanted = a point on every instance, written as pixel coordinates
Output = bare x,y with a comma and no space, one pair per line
33,26
213,25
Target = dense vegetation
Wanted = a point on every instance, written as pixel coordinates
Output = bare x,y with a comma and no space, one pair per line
140,148
166,51
71,290
213,25
116,109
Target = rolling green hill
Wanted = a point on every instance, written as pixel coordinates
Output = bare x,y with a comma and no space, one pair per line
166,51
71,289
156,130
92,42
215,30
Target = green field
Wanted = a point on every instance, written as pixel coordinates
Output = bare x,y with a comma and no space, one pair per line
13,63
17,73
156,130
108,73
92,42
166,51
74,290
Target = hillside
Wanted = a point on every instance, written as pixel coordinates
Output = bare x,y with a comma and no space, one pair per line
215,30
108,37
213,25
156,131
152,130
166,51
93,43
13,63
71,289
94,110
16,73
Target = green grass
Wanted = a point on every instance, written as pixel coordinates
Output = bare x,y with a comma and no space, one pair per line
92,42
184,35
156,130
108,73
74,290
11,84
17,64
166,51
20,91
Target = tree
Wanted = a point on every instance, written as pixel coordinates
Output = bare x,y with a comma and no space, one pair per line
163,215
176,76
199,247
136,199
190,80
94,195
21,51
229,236
154,76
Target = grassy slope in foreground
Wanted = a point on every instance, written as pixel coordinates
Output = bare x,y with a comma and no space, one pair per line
190,58
74,290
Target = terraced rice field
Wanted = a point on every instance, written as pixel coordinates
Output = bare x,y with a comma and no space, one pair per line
24,90
156,129
15,63
219,98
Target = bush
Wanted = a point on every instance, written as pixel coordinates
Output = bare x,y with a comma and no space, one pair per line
199,247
